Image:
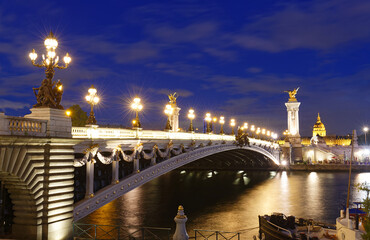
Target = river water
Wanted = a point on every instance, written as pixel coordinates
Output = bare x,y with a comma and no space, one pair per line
230,200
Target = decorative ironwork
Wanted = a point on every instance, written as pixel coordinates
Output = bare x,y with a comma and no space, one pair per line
94,231
212,234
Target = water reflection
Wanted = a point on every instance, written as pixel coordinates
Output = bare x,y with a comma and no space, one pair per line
230,201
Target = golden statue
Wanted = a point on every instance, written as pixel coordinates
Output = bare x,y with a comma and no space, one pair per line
292,95
173,98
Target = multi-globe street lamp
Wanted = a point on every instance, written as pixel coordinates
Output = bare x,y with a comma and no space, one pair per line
365,129
232,124
168,111
92,99
191,116
245,127
258,131
253,128
137,107
208,120
49,94
213,124
222,122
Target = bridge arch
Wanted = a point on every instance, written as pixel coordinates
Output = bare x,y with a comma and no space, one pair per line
111,192
21,180
38,174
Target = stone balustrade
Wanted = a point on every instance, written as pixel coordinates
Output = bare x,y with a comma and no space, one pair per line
22,126
120,133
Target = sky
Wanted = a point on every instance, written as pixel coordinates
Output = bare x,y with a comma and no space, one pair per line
230,58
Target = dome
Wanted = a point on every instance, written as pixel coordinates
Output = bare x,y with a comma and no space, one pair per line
319,128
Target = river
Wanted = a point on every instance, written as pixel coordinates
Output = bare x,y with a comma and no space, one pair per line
230,200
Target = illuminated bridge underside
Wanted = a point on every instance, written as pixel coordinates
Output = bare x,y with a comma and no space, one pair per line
253,157
237,159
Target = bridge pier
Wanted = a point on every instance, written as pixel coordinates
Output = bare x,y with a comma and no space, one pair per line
89,179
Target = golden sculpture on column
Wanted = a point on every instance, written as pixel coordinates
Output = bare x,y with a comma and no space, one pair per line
292,94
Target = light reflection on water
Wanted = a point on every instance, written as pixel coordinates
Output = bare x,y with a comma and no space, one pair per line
230,201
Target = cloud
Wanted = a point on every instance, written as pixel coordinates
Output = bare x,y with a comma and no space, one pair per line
180,69
266,84
254,70
313,25
163,91
6,104
220,53
191,33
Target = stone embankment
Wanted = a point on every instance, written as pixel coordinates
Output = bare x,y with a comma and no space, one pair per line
329,167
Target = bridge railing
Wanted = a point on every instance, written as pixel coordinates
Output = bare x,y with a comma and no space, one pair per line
215,235
95,231
22,126
120,133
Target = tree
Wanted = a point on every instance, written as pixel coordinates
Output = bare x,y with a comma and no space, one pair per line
78,116
366,203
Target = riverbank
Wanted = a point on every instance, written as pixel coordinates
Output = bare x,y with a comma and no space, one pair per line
329,168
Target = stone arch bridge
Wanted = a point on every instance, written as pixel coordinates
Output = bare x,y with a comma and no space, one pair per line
53,181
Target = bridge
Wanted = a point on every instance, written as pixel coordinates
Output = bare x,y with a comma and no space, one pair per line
56,173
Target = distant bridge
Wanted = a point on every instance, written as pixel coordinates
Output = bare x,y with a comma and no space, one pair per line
54,180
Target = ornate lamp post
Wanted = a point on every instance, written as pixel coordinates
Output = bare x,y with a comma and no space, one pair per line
268,134
245,127
258,131
232,124
168,111
191,116
366,129
137,107
49,94
208,120
263,133
222,122
213,124
92,99
253,128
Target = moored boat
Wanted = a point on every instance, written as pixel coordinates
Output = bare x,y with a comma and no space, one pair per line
279,227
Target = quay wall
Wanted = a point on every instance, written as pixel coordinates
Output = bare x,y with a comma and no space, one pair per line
329,167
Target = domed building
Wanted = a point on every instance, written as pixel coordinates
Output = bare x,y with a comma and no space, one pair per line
319,128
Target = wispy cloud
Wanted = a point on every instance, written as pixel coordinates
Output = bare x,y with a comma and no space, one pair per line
6,104
313,25
191,33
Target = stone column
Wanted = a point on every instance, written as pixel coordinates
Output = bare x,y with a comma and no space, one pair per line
180,219
89,179
115,172
175,119
293,118
153,161
293,127
136,165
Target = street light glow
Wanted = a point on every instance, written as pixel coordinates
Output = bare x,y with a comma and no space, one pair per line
92,99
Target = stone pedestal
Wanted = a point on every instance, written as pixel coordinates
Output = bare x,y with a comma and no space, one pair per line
59,125
294,137
286,152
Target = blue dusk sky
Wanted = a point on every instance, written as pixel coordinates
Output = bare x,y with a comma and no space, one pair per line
231,58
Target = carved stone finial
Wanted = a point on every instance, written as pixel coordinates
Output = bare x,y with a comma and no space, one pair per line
180,219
